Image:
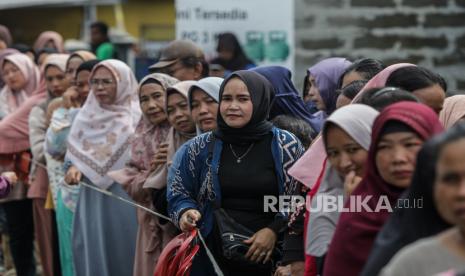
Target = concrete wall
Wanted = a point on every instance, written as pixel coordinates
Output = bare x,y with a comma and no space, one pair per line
427,33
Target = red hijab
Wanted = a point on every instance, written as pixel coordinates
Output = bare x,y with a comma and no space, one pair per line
356,231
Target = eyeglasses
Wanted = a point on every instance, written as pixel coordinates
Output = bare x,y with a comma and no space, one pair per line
103,82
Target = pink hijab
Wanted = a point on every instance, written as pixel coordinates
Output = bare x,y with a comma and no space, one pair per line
146,141
11,100
5,35
4,53
452,111
308,168
157,178
14,128
47,36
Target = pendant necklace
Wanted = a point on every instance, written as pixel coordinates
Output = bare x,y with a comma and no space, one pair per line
239,158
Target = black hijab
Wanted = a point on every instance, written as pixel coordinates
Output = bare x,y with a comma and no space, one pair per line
261,94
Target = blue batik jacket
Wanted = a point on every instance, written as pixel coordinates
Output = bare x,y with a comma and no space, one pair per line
193,177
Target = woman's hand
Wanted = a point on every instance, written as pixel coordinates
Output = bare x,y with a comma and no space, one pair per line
351,182
71,98
298,269
160,156
262,245
73,176
283,271
189,220
11,177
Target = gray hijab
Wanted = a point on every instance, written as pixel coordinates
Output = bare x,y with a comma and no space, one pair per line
209,85
357,121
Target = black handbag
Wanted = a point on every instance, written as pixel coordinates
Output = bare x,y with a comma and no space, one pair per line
233,235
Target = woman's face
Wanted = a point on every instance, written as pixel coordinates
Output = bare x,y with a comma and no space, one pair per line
204,110
342,101
344,154
432,96
56,81
178,113
396,157
82,84
72,66
236,106
449,187
226,54
152,102
13,77
350,77
314,94
104,86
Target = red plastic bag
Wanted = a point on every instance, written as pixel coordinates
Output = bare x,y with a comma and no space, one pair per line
176,258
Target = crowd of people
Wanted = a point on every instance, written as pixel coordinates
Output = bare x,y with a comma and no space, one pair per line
205,143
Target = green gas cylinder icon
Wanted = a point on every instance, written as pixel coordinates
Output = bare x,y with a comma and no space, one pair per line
277,49
255,45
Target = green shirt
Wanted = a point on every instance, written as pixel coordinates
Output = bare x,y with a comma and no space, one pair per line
105,51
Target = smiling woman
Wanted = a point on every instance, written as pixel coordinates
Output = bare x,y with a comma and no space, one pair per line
151,133
177,108
398,133
234,167
203,99
182,129
236,106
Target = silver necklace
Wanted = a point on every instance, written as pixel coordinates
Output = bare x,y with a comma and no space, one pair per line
239,158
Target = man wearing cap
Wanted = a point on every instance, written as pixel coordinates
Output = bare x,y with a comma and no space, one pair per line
183,60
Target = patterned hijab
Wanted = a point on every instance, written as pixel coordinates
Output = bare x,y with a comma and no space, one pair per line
11,100
149,136
99,140
147,139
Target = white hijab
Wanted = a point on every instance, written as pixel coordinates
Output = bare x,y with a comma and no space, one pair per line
357,121
99,140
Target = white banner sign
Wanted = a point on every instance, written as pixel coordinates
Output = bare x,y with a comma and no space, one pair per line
265,28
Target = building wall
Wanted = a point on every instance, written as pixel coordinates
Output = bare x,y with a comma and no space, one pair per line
27,23
430,33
